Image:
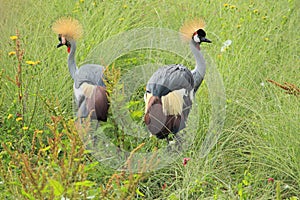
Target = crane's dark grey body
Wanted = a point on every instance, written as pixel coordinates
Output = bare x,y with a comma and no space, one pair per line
91,74
166,80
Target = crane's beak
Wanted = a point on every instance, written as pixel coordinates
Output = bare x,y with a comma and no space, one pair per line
59,45
204,39
62,41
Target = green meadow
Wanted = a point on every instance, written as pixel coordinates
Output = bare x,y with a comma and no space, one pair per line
257,151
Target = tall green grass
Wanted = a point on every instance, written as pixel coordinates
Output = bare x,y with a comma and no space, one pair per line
260,139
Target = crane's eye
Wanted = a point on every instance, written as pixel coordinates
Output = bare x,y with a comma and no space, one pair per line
59,37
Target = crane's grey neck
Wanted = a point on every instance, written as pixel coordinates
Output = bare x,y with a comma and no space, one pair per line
71,59
199,71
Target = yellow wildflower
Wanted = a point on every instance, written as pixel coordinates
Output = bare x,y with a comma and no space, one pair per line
121,19
25,128
9,144
81,1
9,116
13,37
232,7
29,62
12,53
38,131
264,17
125,6
266,39
238,26
226,5
255,11
19,119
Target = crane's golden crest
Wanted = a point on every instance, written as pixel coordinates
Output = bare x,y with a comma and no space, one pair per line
68,27
189,28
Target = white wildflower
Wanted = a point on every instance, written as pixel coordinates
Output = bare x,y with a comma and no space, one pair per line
226,44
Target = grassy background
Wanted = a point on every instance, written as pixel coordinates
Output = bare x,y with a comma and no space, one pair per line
260,139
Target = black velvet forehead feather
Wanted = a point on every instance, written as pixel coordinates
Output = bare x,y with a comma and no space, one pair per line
201,33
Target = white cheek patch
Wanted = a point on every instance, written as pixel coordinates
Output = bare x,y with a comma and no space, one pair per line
63,40
196,38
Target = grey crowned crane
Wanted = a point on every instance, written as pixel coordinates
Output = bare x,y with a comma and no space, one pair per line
89,88
171,89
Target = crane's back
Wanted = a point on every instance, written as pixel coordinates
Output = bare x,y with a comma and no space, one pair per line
91,74
170,78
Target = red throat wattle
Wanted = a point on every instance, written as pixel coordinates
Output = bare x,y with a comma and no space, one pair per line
69,49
